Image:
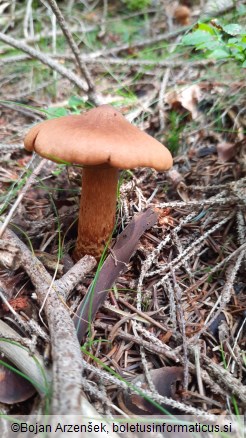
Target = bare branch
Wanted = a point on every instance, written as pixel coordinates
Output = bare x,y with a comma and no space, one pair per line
64,27
66,354
21,195
124,62
46,60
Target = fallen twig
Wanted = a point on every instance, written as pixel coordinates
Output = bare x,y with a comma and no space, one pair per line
224,378
89,59
33,113
21,195
68,35
141,43
66,355
46,60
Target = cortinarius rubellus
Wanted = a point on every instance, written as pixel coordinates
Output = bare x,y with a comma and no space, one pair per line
103,141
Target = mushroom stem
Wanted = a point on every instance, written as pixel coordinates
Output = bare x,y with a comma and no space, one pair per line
97,210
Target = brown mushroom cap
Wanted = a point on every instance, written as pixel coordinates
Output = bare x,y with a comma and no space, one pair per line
182,14
99,136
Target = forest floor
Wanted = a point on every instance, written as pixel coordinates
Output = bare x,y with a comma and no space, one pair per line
179,305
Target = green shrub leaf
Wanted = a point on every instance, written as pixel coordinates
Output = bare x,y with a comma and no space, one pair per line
219,54
52,113
233,29
197,37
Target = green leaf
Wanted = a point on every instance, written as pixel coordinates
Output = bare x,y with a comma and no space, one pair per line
233,41
75,101
206,28
52,113
233,29
211,45
197,37
239,56
244,64
238,46
241,10
219,54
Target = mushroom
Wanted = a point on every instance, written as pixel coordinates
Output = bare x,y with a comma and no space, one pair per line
182,14
103,141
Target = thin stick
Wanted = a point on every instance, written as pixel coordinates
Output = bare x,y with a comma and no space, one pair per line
141,43
29,182
67,395
124,62
46,60
164,83
27,17
64,27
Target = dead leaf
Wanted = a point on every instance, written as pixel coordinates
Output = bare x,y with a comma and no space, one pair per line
174,176
226,151
13,387
9,256
186,98
18,304
116,262
165,380
164,218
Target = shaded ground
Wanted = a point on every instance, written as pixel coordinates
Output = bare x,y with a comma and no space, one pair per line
181,300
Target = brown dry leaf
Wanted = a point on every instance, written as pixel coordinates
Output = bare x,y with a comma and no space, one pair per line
174,176
182,190
185,97
13,387
165,380
226,151
164,217
116,263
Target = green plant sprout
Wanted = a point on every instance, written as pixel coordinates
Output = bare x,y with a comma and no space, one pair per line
175,130
233,399
219,41
137,5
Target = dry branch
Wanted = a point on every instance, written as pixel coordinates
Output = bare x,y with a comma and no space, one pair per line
224,378
82,66
141,43
21,195
66,354
124,62
46,60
